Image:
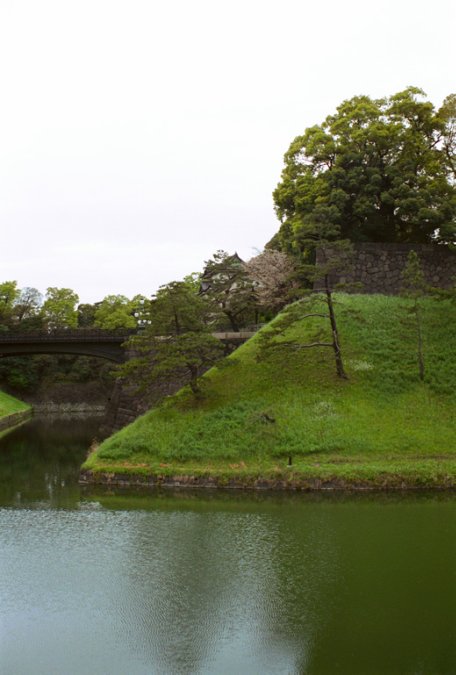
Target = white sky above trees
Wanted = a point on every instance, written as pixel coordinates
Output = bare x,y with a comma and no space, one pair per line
137,137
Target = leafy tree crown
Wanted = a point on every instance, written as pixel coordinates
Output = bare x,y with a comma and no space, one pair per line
377,170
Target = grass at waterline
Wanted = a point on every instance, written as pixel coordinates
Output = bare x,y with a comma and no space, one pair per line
389,473
381,423
10,405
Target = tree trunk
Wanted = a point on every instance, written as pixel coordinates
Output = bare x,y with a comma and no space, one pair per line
234,324
194,386
335,334
419,335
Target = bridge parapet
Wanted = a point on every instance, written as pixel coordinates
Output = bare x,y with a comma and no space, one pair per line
63,335
109,345
102,344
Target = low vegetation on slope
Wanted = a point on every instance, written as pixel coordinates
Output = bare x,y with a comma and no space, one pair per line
10,405
383,425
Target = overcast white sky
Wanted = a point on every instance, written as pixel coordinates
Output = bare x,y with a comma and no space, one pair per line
137,136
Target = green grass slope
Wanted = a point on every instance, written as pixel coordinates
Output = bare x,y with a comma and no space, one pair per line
381,427
10,405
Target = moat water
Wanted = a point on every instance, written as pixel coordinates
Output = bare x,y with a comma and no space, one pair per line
131,583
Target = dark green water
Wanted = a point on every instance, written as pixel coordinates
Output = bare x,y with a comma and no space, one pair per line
105,584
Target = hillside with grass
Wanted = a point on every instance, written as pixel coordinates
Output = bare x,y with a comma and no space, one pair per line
9,407
285,417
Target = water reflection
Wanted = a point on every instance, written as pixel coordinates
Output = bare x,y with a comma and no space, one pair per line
201,582
39,460
210,593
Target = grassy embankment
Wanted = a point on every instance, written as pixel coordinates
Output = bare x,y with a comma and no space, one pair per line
382,427
9,407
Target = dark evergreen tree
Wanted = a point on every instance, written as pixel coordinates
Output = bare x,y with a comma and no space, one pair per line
177,342
227,285
379,170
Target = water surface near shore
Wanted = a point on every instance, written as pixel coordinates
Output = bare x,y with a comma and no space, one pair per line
101,582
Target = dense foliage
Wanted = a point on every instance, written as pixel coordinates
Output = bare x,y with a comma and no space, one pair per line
114,311
60,376
176,343
377,170
227,284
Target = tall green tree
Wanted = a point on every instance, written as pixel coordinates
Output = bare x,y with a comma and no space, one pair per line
113,312
377,170
19,308
447,114
9,293
27,305
313,306
59,308
227,284
334,259
176,344
86,314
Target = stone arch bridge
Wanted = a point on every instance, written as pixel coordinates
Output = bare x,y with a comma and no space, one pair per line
103,344
123,406
86,342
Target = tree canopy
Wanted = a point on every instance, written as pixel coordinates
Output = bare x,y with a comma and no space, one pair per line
176,342
377,170
59,308
19,306
114,311
226,283
9,293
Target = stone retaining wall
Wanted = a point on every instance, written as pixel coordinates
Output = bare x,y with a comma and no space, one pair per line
14,419
122,409
380,482
378,267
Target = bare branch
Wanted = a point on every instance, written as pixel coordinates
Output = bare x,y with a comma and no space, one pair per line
297,347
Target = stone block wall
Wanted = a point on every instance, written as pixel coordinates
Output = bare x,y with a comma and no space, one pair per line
15,418
123,408
378,267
